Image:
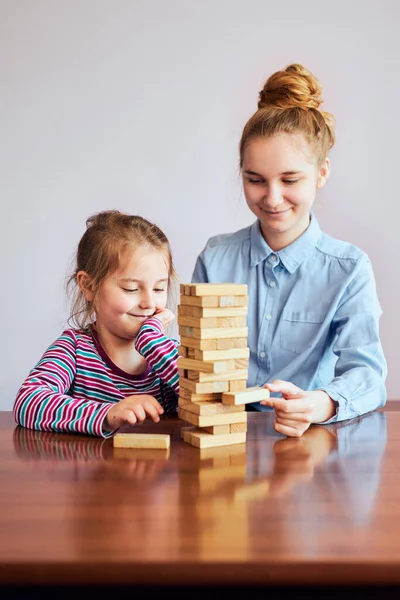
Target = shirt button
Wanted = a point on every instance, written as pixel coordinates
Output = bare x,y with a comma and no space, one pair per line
272,284
268,317
273,258
262,354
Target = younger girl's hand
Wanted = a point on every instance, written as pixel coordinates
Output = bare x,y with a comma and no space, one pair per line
131,410
165,316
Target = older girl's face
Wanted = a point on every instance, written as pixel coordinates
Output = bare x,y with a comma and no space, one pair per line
280,180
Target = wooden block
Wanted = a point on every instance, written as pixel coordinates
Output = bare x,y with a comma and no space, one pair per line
205,313
206,301
182,351
202,439
141,453
205,354
212,322
208,420
203,388
213,334
191,342
141,440
229,343
225,301
252,491
209,408
240,363
227,376
218,289
237,386
220,455
218,429
184,289
182,372
203,366
192,397
191,352
237,427
252,394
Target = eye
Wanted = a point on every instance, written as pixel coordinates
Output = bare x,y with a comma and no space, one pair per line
159,289
255,181
290,181
129,291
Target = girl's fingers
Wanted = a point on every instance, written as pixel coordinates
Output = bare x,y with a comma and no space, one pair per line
284,387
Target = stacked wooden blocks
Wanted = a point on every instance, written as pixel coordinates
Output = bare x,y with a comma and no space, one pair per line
213,364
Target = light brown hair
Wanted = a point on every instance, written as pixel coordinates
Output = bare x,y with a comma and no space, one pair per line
289,103
108,234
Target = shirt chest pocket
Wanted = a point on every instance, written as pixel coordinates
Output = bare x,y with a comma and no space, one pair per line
300,330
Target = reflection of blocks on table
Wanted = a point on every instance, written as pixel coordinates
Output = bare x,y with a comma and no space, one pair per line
141,440
213,360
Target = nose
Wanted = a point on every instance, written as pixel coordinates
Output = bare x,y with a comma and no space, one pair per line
146,299
272,196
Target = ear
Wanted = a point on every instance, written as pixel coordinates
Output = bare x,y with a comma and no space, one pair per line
323,173
85,285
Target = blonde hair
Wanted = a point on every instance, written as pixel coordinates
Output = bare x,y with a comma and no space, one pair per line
108,234
289,103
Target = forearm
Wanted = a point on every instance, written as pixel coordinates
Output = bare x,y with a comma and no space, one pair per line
39,407
357,391
160,352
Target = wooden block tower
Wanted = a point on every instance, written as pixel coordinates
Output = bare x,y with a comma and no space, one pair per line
213,364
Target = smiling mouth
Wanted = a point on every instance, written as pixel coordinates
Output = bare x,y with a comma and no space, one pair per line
140,316
274,213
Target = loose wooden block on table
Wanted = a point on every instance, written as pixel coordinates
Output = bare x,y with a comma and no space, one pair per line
141,440
252,394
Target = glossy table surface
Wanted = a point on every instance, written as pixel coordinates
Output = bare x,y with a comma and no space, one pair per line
322,509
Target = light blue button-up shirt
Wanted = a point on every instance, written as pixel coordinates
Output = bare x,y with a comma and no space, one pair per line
313,315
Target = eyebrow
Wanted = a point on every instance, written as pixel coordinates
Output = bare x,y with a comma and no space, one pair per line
248,172
129,279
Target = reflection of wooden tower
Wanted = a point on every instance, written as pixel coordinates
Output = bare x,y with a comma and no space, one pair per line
213,364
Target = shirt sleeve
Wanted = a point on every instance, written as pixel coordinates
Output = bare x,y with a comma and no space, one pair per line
361,369
200,272
43,402
160,352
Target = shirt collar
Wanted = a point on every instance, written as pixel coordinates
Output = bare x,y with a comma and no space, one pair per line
293,255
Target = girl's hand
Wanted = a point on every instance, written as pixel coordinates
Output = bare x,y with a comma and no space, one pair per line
298,409
165,316
131,410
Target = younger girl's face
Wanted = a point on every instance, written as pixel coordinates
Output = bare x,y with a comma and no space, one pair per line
133,293
280,180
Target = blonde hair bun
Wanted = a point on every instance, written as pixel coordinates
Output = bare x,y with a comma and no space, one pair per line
293,87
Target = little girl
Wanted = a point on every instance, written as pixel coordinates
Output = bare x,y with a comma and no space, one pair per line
116,365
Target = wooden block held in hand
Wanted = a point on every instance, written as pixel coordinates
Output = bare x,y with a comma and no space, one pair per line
252,394
141,440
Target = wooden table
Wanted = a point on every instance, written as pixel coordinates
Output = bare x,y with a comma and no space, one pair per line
322,510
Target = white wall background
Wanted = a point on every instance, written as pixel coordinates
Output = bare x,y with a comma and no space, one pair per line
139,105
